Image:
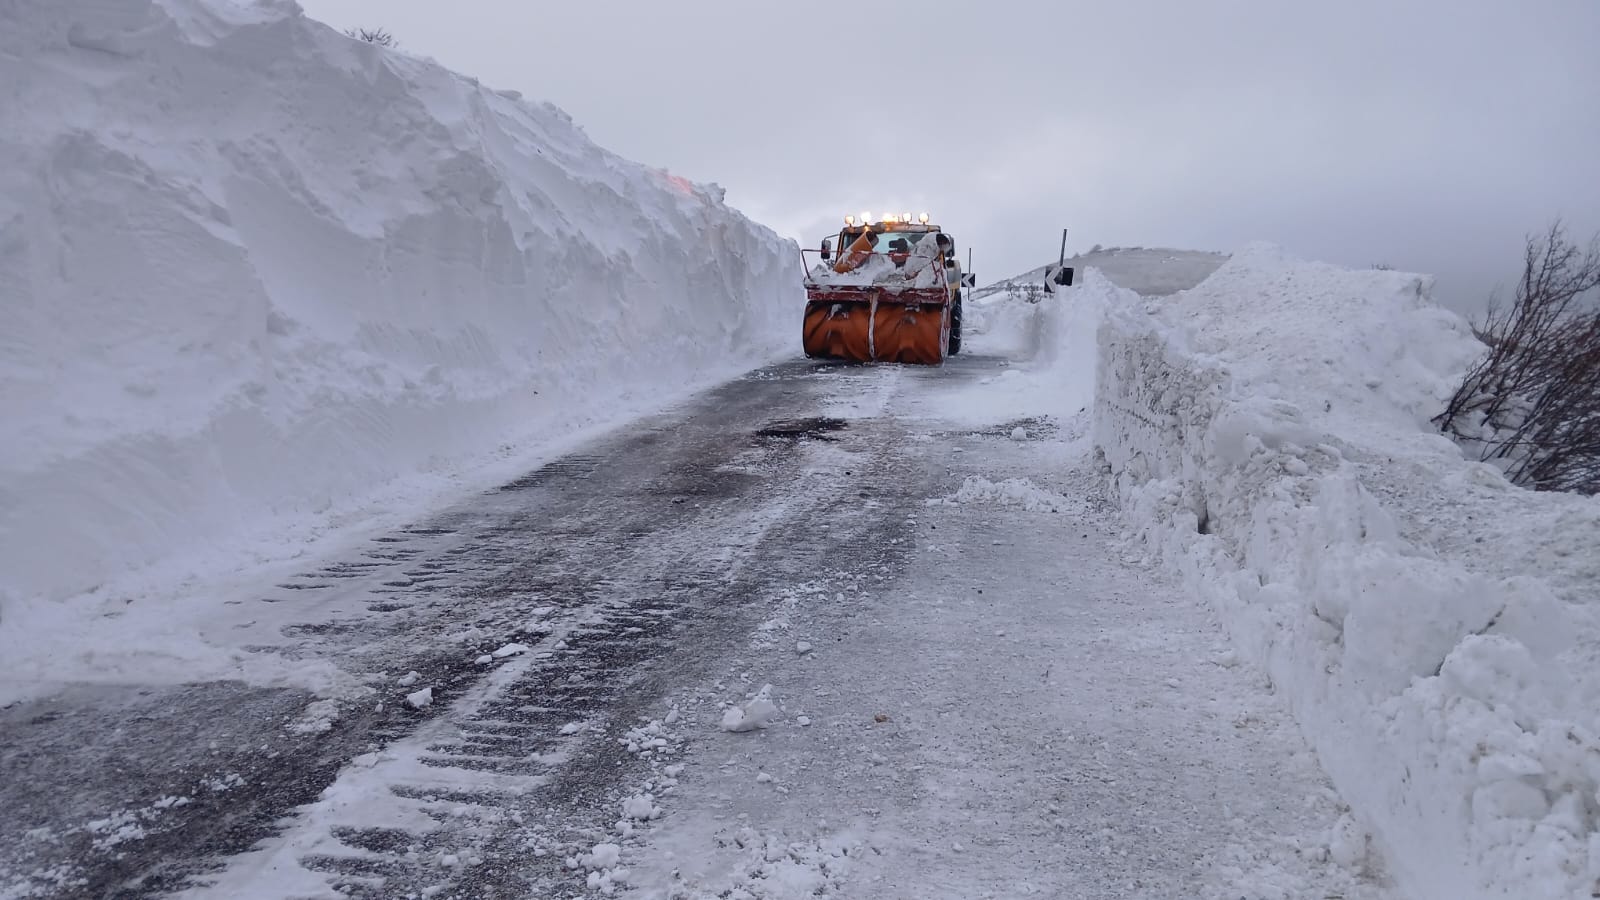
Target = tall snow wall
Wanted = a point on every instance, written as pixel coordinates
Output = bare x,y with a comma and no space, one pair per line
252,270
1432,627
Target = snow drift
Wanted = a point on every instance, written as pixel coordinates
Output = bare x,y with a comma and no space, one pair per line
1432,627
1052,341
252,270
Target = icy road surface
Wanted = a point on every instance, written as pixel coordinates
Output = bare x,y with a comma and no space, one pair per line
976,688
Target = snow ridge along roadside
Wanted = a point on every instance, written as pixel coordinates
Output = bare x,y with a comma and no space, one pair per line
1432,627
255,271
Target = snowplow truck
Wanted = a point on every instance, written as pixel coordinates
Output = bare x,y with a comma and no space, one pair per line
883,291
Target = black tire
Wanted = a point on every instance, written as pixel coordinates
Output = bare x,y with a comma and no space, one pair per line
955,326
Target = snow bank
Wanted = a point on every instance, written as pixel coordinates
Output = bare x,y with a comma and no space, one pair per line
1001,324
252,270
1268,433
1053,340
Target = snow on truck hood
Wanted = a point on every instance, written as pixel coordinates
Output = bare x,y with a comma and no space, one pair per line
920,271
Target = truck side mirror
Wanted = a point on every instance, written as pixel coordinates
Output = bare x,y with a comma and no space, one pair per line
827,249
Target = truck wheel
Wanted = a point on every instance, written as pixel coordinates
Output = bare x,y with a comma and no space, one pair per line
955,327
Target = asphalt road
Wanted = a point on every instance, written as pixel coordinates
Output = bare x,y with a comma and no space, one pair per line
642,553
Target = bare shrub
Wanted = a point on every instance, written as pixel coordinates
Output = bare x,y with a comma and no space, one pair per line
375,36
1532,404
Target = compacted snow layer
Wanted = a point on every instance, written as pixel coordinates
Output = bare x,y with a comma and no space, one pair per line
253,271
1432,626
1022,705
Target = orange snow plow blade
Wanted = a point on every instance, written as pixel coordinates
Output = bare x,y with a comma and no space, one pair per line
891,332
838,330
879,328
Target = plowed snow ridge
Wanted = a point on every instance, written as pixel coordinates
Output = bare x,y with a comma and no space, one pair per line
258,274
1433,627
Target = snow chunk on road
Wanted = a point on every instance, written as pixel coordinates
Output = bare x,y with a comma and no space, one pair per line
318,717
420,699
753,714
603,856
640,807
1020,492
510,650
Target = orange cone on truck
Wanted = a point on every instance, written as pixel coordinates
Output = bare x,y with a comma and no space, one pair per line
892,293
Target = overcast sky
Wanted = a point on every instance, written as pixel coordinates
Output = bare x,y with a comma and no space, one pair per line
1429,135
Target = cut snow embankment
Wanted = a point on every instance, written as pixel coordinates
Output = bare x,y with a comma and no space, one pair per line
1046,354
1432,627
255,273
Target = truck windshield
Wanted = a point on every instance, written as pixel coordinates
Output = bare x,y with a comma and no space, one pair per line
890,242
899,243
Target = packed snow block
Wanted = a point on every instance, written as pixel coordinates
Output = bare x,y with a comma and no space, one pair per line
1267,432
1001,325
252,271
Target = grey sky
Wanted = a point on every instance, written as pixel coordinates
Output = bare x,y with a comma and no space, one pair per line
1430,135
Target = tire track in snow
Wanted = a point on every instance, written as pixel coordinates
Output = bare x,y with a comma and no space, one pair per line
637,558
